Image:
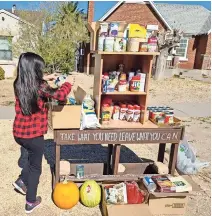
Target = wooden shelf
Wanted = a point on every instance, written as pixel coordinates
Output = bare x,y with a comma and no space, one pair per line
126,53
123,93
118,124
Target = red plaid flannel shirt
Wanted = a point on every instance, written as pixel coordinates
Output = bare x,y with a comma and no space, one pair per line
36,124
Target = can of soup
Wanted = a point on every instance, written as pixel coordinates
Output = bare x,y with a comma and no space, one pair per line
169,117
160,120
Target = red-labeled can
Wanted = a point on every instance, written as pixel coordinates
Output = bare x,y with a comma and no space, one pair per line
155,114
169,117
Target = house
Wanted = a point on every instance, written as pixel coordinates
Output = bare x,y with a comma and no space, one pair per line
9,31
193,20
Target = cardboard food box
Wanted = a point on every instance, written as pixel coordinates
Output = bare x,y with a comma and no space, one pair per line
68,168
156,203
124,210
175,205
68,116
171,203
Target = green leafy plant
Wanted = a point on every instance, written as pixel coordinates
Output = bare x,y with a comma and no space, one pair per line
59,42
2,74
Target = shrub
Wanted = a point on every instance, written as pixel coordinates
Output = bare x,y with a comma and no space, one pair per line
2,74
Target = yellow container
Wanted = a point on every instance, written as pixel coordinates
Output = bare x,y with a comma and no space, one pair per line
137,31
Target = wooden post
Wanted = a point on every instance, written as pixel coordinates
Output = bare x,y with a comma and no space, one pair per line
109,155
57,165
88,64
173,158
116,158
161,152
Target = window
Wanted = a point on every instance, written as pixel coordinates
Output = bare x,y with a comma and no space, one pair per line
5,48
182,49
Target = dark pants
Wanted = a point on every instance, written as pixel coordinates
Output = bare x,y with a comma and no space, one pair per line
31,171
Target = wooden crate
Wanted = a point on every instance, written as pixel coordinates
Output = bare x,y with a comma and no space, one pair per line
177,122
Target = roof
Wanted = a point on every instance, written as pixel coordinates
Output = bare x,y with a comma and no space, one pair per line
109,12
27,15
191,19
9,14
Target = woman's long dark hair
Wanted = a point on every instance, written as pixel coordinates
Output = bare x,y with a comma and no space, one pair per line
28,81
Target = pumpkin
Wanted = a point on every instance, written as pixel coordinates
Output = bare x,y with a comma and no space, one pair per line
66,195
90,193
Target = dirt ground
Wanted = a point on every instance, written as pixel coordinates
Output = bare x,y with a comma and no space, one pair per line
172,90
198,131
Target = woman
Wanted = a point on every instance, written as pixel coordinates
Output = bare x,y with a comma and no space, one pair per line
31,120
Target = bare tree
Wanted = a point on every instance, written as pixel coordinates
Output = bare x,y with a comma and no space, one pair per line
166,42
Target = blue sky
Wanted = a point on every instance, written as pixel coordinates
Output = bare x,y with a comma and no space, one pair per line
101,7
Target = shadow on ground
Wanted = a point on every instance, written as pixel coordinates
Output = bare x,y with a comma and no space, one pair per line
81,154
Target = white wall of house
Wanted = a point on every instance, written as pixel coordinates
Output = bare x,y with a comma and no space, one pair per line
9,26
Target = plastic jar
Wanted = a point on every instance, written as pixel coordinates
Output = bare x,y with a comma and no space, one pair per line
130,113
135,84
137,113
116,112
123,111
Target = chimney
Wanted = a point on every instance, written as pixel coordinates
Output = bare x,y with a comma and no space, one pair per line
90,15
13,8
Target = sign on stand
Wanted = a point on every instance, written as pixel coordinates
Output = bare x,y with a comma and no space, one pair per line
118,136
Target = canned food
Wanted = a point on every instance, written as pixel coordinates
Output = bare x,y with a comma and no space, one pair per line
170,109
169,117
80,171
160,120
151,113
148,114
156,114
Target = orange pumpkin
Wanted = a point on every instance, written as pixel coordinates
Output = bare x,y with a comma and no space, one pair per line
66,195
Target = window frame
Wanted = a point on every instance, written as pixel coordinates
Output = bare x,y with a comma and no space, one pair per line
184,58
8,50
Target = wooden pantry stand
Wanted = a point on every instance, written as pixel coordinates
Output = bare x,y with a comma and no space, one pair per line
115,138
118,132
108,61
